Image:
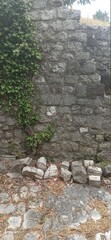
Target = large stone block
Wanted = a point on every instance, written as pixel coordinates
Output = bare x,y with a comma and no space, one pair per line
62,13
95,90
78,172
70,25
78,36
74,14
54,3
39,4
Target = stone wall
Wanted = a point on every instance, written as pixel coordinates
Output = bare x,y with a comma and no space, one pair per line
73,96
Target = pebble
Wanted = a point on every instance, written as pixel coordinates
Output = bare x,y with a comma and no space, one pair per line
14,222
6,209
95,215
31,236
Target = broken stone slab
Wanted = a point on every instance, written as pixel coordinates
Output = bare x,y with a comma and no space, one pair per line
96,171
20,163
8,157
65,174
88,163
79,172
107,171
42,163
52,171
14,175
32,172
94,181
65,165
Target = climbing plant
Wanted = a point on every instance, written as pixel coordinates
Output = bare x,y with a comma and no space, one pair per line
19,62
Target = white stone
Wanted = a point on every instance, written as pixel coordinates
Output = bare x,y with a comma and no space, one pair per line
83,130
108,235
88,163
52,171
26,161
65,165
94,181
39,173
95,215
99,236
14,222
8,235
32,172
14,175
66,175
51,111
42,163
97,171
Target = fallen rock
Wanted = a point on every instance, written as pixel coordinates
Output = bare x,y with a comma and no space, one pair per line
88,163
20,163
52,171
42,163
65,165
33,172
65,174
79,172
94,181
107,171
96,171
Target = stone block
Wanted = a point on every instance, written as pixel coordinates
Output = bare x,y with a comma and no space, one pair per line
70,25
69,99
74,14
65,165
94,181
95,90
87,68
52,171
62,13
47,15
65,174
88,163
54,3
42,163
78,172
78,36
107,171
39,4
96,171
32,172
80,90
20,163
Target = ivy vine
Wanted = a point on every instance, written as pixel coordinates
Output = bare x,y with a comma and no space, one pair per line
19,61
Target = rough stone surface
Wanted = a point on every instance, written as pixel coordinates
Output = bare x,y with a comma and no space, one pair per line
94,180
65,174
88,163
31,219
65,165
78,172
42,163
52,171
96,171
33,172
14,222
107,171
